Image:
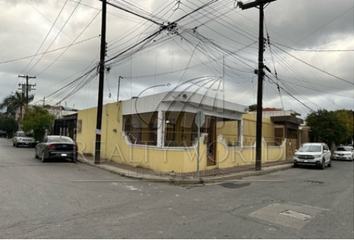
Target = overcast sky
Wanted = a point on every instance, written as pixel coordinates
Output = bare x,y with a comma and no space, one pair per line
215,49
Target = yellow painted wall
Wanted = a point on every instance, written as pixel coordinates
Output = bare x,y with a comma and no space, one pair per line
240,156
115,147
86,137
229,130
249,129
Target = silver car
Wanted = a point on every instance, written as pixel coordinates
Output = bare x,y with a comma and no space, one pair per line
316,154
23,139
343,153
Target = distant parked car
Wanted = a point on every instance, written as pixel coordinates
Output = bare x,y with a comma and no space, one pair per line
343,153
23,139
3,133
54,146
316,154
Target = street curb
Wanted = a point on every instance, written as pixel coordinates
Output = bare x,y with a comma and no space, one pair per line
189,180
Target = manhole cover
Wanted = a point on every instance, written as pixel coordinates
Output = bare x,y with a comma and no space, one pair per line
297,215
287,214
232,185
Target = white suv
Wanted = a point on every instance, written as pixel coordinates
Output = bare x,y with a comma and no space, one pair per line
22,138
317,154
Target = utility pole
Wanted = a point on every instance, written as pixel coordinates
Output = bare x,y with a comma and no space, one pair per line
26,87
260,4
120,77
101,82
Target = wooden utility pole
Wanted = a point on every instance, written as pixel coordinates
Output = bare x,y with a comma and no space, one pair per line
27,87
260,4
101,83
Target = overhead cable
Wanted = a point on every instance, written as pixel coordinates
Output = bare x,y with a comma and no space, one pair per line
344,80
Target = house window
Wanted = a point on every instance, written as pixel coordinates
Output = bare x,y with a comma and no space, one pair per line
141,128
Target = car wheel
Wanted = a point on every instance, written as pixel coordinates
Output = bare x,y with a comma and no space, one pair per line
329,163
13,144
43,158
35,154
323,165
295,165
16,145
73,159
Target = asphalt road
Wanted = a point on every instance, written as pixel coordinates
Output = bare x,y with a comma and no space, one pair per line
60,199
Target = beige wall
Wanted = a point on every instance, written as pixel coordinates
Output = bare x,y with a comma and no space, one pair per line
116,147
230,130
249,129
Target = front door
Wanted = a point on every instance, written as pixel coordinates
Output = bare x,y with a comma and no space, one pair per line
212,140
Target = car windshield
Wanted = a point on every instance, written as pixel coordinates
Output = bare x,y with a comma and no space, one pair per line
310,148
21,134
60,139
343,149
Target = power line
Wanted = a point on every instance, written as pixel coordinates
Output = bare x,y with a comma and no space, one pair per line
315,50
293,96
56,19
54,50
344,80
325,24
69,45
126,10
67,20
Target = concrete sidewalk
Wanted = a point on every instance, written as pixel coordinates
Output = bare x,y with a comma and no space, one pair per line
208,176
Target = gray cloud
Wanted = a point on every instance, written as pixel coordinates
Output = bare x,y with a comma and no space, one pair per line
299,24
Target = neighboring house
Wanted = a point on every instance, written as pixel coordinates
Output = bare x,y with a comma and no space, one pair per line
272,112
59,111
66,126
65,120
304,134
287,126
159,132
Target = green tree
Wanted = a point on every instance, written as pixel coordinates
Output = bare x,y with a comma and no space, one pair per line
8,124
252,107
14,102
38,120
326,126
346,117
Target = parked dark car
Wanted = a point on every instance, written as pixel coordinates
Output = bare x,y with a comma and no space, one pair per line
54,146
3,133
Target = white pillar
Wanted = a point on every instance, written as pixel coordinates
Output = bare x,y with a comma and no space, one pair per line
160,128
240,132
